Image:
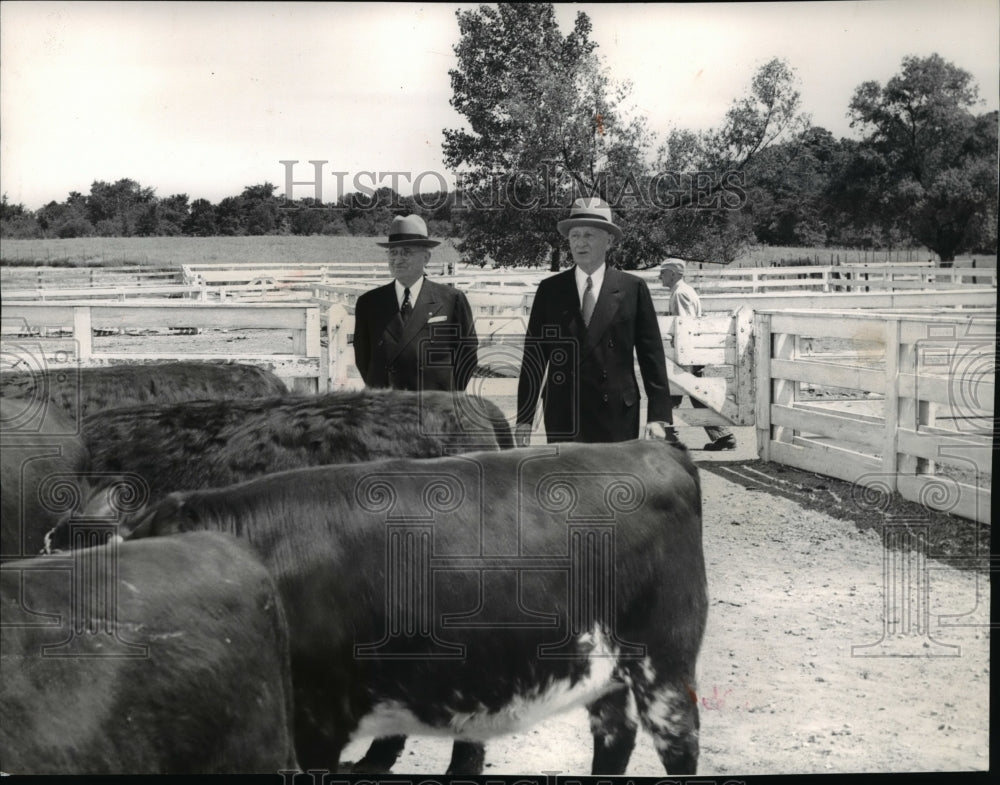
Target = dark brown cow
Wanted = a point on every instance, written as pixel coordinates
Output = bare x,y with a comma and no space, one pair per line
40,458
210,444
83,391
462,594
185,671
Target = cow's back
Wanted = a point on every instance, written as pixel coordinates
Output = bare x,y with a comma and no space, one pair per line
83,391
200,683
208,444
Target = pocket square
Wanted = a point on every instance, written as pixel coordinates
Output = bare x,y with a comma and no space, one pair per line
433,319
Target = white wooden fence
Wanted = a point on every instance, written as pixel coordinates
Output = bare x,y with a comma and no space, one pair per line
54,333
894,402
839,278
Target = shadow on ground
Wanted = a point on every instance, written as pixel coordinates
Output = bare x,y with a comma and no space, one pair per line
955,541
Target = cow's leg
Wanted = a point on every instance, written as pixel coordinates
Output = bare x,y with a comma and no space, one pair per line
614,732
467,757
668,709
382,754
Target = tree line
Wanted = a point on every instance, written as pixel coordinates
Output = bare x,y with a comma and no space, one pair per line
547,123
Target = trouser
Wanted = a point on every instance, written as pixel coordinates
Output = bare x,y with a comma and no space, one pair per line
715,432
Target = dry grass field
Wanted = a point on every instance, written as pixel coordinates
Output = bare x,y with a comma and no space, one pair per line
174,251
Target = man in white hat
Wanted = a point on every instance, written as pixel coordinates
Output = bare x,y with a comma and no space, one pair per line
587,328
413,333
684,301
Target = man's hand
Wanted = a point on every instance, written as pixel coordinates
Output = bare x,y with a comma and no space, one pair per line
522,434
661,430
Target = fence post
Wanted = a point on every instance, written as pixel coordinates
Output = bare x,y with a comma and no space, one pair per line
82,332
785,391
891,413
762,399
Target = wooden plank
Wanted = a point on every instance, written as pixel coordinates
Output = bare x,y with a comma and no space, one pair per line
82,332
964,331
784,392
742,362
835,426
955,390
851,325
890,410
832,462
167,314
829,375
762,399
934,444
965,501
840,300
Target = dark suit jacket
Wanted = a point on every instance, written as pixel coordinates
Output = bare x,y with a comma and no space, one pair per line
435,350
586,375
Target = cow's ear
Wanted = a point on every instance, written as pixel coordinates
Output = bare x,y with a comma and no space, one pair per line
152,523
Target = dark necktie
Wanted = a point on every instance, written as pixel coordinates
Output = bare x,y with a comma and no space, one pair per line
588,301
405,308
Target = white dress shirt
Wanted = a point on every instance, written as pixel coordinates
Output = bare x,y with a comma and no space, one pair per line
414,292
596,279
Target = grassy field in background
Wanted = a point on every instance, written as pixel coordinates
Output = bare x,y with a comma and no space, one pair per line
174,251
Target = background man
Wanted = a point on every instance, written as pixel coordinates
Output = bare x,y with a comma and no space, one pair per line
684,301
587,327
414,334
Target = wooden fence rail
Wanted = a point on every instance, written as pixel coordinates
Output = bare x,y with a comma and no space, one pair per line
907,407
26,327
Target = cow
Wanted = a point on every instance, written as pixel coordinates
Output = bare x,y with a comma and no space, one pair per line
209,444
41,456
469,595
186,672
83,391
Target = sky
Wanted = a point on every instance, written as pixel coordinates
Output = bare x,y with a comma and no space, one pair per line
208,98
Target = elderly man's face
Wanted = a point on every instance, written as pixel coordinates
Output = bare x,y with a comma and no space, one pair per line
407,263
589,246
669,277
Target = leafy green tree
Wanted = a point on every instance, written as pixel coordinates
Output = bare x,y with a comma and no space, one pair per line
546,124
16,221
717,171
173,212
932,163
115,207
201,220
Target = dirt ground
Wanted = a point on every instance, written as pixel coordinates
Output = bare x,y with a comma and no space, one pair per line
797,673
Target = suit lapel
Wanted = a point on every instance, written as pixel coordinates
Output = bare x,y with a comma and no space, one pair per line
567,305
389,309
428,302
604,310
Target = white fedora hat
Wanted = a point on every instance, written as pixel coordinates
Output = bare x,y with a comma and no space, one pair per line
408,230
590,211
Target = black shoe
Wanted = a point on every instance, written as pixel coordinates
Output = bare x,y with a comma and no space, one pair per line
723,443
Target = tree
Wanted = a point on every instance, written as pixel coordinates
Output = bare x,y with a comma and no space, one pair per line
546,124
114,208
717,169
933,160
201,220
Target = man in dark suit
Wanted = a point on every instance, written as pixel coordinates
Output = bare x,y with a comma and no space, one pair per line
587,327
414,334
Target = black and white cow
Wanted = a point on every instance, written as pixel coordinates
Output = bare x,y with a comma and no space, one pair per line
83,391
41,456
159,657
470,595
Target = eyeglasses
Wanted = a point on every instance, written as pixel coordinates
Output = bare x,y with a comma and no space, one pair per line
403,253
